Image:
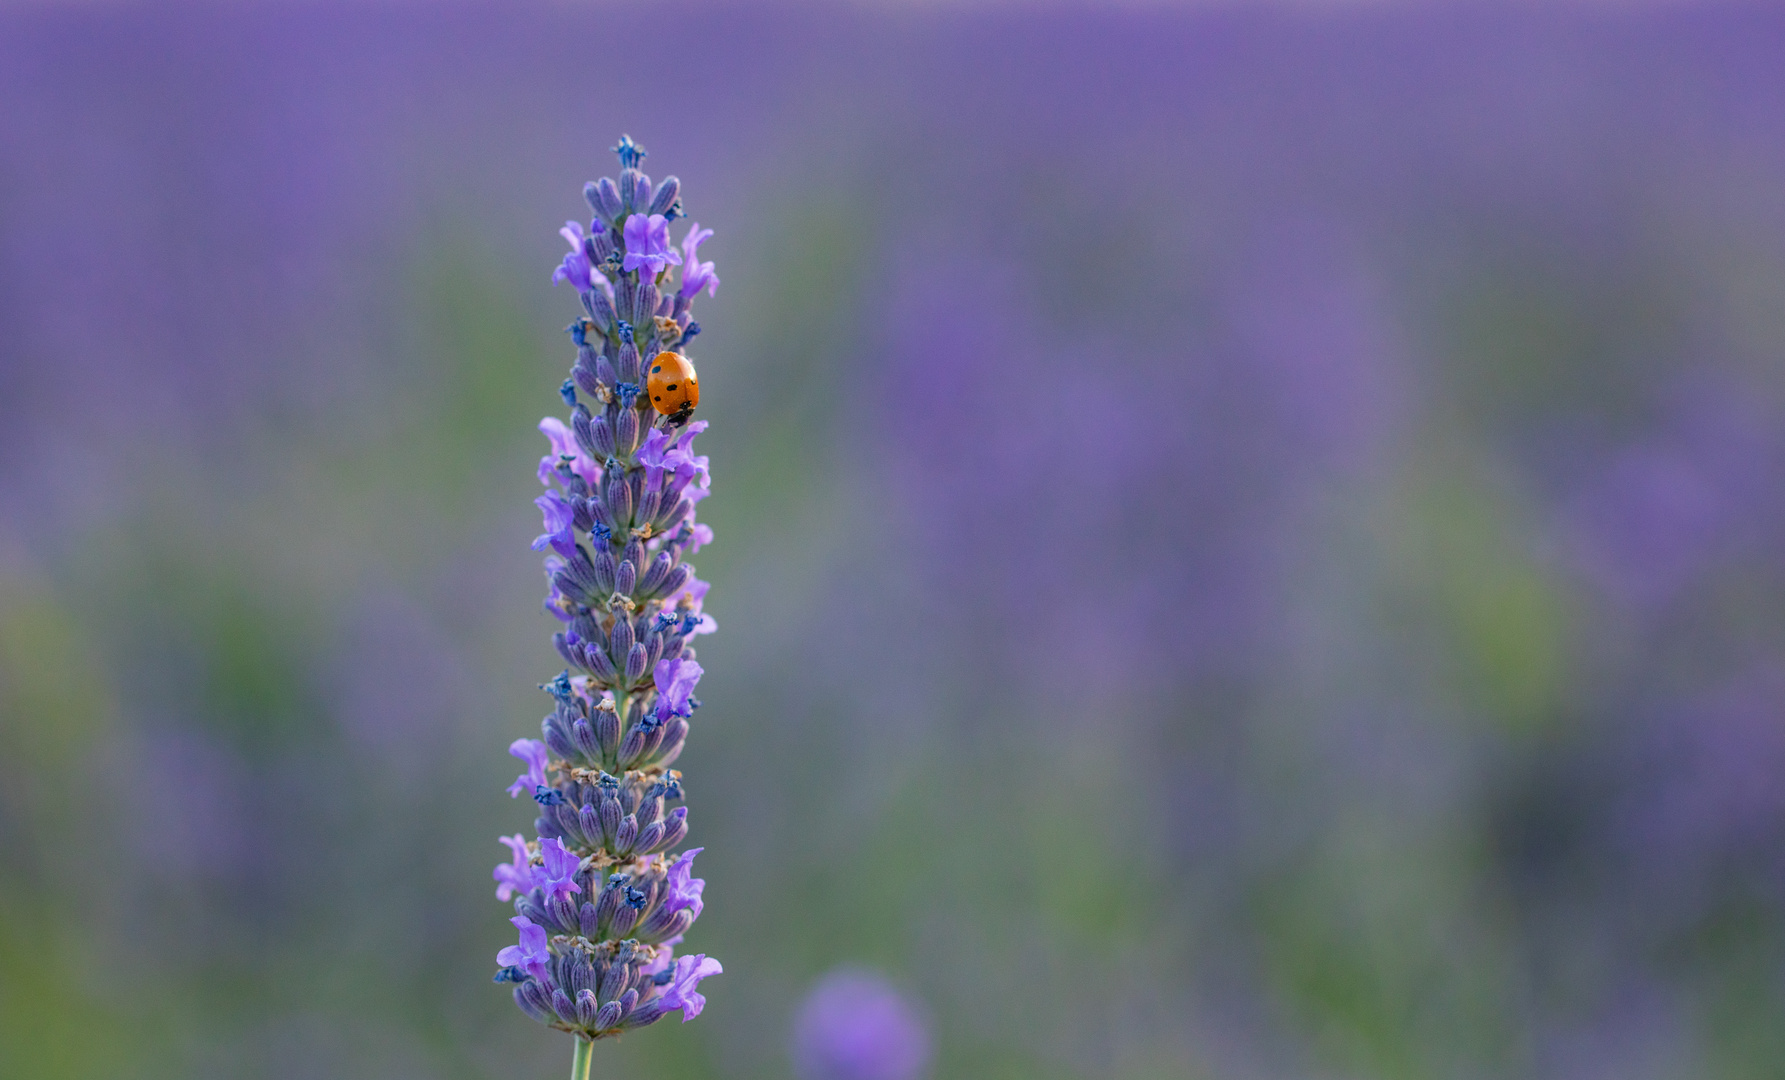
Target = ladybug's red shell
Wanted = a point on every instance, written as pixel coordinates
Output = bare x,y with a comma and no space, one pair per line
672,384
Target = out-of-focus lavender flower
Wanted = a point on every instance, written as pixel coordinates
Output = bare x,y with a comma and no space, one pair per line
1656,515
647,246
697,275
855,1025
191,805
1712,800
603,910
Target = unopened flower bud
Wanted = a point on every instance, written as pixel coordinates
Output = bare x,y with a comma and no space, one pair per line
582,733
620,639
626,439
604,199
607,731
656,575
608,1015
665,196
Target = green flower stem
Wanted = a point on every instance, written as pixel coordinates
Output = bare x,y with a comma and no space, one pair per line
579,1064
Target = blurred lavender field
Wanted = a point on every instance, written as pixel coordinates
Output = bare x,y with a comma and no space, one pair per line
1255,549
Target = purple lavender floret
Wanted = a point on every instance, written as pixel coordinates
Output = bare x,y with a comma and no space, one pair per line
531,955
697,275
647,246
601,900
681,993
559,517
565,454
531,751
578,267
675,687
515,876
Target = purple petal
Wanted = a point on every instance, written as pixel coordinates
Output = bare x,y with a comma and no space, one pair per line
675,681
684,891
560,862
681,993
637,234
656,443
531,751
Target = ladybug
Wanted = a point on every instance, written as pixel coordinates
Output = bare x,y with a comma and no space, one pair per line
673,386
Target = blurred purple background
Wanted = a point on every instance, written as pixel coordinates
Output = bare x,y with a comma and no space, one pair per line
1251,541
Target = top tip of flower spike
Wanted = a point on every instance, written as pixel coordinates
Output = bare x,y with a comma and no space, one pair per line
630,152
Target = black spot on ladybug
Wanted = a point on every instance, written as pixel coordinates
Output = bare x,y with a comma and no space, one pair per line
657,397
656,369
671,386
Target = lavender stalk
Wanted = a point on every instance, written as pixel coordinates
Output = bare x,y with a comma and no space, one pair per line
599,900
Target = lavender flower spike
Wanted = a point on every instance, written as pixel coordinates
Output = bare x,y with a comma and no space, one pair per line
601,899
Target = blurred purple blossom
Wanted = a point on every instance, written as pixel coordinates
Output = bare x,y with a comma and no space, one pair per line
191,815
1710,800
396,677
1696,490
1189,454
854,1025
